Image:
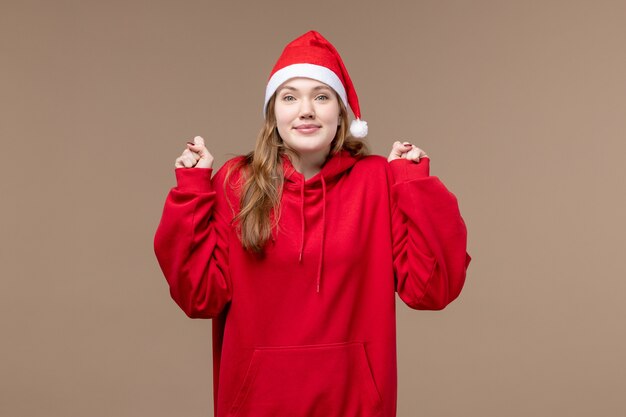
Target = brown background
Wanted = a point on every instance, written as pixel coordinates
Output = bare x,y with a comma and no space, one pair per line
520,105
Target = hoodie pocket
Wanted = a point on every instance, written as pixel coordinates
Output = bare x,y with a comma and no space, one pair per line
329,380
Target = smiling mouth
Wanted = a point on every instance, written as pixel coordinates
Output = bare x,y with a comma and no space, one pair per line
307,128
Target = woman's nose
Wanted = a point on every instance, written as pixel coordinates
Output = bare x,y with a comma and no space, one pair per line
306,109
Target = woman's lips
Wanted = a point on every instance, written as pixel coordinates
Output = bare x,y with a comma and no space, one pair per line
309,129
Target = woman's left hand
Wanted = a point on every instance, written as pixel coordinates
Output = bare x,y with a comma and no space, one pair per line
406,150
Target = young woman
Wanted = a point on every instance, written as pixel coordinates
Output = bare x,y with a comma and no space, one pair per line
297,249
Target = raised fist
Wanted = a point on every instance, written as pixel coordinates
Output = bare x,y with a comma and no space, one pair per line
196,155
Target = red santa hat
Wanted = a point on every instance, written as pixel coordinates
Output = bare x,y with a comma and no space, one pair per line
312,56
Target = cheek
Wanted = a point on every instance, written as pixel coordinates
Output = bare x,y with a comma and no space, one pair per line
284,114
333,131
283,122
330,115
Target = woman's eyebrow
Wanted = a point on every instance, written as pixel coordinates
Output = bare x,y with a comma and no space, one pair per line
319,87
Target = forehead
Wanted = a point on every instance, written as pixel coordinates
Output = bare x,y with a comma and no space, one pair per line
302,83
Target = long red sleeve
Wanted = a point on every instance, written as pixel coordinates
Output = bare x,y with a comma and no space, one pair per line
429,237
191,244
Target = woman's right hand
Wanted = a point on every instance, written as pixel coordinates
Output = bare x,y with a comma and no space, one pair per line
195,156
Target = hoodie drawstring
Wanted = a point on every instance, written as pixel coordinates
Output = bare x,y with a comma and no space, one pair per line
319,270
339,164
302,217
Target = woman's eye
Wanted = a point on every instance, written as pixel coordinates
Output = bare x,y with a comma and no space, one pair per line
287,98
325,97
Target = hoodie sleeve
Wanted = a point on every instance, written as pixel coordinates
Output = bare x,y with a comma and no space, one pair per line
429,237
191,243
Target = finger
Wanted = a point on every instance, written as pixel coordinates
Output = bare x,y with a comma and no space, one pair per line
200,149
183,162
193,147
395,151
198,142
401,147
415,154
398,150
412,155
422,154
191,154
188,162
405,147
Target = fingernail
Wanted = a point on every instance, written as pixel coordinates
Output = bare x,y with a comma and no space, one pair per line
191,143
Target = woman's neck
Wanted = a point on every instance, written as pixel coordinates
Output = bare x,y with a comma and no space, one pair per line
309,165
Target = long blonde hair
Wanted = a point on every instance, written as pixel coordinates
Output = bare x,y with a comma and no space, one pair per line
262,176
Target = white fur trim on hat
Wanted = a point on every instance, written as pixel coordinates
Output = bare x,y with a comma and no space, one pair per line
316,72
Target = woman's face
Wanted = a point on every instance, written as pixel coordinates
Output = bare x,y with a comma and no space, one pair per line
307,115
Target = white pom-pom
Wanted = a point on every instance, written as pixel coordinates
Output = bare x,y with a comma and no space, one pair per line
358,128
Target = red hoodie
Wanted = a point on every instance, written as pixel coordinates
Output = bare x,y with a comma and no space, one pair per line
309,329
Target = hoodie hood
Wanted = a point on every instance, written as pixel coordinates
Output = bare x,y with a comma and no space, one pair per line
330,173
